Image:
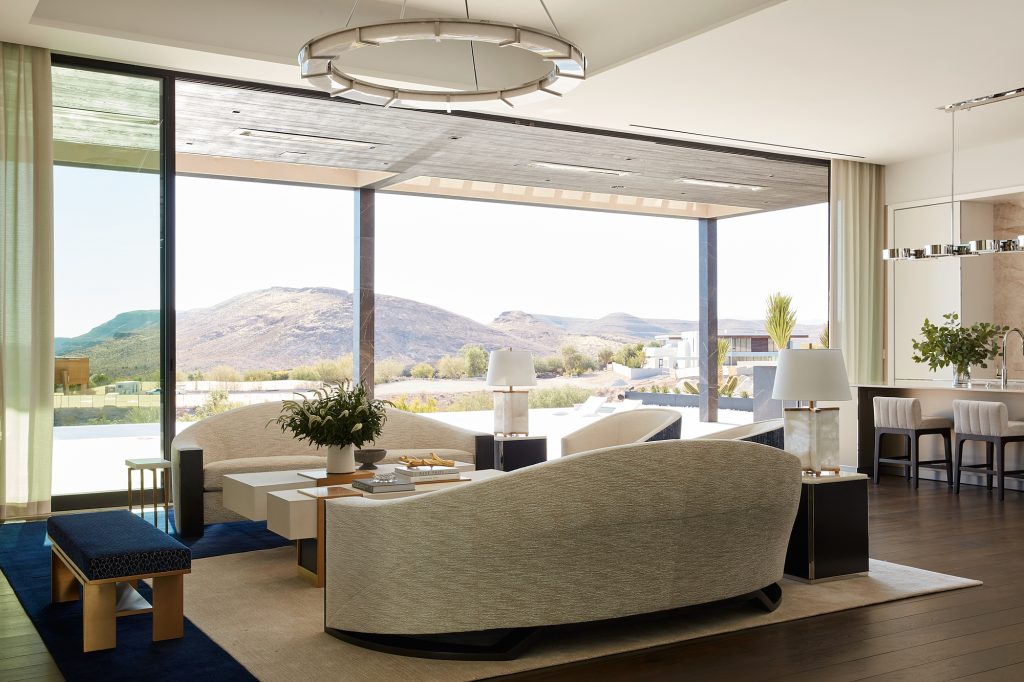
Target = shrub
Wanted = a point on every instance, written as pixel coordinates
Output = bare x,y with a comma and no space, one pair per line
450,367
259,375
472,402
224,373
676,390
337,370
216,402
631,355
476,359
422,404
574,363
552,364
304,373
605,357
387,370
99,379
558,396
422,370
744,394
141,415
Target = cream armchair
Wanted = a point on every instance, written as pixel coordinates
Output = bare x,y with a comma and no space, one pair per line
581,538
244,441
623,428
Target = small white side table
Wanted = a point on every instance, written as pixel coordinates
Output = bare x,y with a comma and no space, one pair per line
142,465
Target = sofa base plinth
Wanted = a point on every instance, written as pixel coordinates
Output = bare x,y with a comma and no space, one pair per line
483,645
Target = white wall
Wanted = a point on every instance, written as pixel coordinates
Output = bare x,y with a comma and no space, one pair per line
979,170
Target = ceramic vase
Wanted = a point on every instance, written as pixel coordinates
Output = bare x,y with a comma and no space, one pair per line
341,459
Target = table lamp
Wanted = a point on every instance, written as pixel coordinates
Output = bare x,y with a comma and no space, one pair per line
812,433
511,408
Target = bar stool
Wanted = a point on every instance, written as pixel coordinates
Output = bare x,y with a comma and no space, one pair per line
902,417
987,422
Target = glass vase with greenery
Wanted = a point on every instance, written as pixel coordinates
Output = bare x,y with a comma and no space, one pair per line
953,344
340,416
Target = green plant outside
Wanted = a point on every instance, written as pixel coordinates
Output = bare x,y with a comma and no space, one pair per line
780,319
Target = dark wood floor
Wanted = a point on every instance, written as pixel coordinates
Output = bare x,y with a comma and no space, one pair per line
974,634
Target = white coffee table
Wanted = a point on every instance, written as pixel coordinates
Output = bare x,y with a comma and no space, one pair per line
246,494
292,513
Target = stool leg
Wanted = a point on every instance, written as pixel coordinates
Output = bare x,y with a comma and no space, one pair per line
878,453
1000,466
914,442
129,490
99,616
989,447
168,607
910,451
957,460
949,458
63,586
167,493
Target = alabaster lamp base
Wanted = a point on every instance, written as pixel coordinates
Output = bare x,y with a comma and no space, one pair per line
512,413
812,434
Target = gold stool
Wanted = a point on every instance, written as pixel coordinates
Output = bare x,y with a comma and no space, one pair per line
142,465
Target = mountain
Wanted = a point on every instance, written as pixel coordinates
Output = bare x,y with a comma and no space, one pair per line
122,325
282,328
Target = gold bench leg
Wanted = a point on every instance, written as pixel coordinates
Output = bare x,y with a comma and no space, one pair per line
99,616
63,586
168,607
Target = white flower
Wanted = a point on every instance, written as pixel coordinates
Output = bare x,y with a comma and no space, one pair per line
356,427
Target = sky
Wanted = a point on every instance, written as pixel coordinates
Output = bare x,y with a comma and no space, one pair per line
474,258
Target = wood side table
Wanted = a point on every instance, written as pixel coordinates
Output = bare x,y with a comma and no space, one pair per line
142,465
830,534
516,452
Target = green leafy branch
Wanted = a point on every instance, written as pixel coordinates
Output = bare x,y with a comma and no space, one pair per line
953,344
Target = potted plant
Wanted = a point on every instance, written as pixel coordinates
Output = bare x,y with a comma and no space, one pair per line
340,416
953,344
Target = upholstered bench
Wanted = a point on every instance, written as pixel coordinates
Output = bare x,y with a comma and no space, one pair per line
108,553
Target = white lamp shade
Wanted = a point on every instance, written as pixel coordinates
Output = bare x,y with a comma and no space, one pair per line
811,374
511,368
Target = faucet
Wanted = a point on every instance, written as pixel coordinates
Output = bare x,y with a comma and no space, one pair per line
1002,370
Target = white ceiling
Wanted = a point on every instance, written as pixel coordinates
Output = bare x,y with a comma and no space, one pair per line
846,77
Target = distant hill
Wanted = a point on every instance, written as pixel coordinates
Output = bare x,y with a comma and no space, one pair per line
282,328
120,326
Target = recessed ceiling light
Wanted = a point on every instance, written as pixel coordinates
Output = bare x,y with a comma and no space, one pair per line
578,169
299,137
717,183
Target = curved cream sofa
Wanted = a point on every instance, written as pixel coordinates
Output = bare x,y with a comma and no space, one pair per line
243,441
622,428
581,538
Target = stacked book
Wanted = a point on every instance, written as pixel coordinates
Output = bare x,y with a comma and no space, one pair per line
426,474
372,485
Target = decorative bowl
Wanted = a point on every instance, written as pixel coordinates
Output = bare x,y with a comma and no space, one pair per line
369,457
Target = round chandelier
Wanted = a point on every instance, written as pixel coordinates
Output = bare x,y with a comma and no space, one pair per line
524,65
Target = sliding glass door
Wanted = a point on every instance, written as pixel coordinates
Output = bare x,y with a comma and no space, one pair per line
107,288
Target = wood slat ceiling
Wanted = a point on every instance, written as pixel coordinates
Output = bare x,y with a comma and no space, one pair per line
94,110
425,144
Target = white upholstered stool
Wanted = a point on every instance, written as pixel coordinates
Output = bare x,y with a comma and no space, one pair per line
902,417
987,422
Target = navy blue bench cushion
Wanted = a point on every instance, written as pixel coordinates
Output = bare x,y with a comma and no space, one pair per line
116,544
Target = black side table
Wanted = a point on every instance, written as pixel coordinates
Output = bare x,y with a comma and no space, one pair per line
516,452
830,534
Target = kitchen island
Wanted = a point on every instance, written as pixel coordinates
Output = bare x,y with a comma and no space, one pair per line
936,400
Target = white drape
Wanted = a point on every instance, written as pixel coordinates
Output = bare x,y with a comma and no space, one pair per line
857,224
26,281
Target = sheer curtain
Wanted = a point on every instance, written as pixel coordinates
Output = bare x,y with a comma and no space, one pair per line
26,281
857,223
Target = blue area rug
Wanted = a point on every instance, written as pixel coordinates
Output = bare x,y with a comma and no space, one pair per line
25,560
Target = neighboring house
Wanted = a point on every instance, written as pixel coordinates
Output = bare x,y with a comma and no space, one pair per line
679,351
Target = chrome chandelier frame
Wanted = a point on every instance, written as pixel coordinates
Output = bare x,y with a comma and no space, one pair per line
318,67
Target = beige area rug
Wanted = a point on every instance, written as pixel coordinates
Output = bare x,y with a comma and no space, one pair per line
255,607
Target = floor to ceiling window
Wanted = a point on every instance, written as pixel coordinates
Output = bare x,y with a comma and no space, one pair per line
107,277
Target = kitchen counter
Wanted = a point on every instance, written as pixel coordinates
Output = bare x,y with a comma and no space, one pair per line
980,385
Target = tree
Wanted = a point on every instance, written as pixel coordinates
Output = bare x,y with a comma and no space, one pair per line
423,370
631,355
823,336
573,361
605,357
476,359
780,319
450,367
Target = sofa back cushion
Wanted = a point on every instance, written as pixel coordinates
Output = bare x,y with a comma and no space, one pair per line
621,428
